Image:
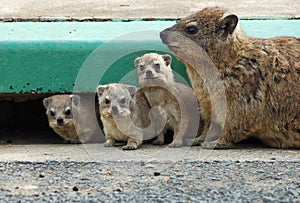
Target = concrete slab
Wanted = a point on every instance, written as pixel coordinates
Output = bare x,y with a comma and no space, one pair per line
148,153
121,9
68,56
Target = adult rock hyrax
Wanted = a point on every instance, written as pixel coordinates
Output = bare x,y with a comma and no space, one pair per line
68,119
176,101
124,113
261,78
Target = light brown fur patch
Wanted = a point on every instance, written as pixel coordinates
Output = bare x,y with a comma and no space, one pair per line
261,77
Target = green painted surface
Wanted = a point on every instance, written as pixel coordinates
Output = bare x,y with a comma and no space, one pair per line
67,56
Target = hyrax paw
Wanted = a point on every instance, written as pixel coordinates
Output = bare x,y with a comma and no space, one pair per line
214,145
108,145
157,142
175,145
129,147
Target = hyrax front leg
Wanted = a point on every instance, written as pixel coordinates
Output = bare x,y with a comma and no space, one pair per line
217,138
132,144
177,139
110,141
217,144
160,139
159,119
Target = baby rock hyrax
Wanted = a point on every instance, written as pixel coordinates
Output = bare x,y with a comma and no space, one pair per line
124,113
62,112
260,77
177,101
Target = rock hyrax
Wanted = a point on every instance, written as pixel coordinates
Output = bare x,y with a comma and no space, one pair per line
124,113
261,77
177,101
63,112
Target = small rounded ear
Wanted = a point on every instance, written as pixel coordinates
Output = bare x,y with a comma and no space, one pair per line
137,62
46,102
101,89
229,23
167,58
132,90
75,100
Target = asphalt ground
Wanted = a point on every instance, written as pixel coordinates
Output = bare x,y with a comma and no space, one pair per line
138,181
94,173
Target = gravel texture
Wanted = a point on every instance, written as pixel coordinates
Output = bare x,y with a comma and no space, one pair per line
139,181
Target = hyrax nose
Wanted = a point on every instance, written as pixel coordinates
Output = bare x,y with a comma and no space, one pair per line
164,35
60,120
149,74
114,109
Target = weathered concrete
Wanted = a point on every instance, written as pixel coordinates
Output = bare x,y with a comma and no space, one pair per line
121,9
148,153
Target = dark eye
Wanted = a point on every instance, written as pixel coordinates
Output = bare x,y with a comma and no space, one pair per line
157,66
142,67
191,30
106,101
52,113
68,112
122,101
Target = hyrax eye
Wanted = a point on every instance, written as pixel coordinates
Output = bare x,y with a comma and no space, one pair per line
107,101
191,30
122,101
141,67
52,113
68,112
157,66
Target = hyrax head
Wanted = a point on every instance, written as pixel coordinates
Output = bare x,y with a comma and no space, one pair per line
154,69
60,109
114,99
205,27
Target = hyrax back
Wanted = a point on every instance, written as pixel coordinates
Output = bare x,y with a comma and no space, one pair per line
61,112
175,99
124,113
261,77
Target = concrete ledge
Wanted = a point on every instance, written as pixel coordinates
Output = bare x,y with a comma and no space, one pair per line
132,9
148,153
49,57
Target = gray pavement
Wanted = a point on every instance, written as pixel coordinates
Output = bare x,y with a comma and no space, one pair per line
137,181
130,9
94,173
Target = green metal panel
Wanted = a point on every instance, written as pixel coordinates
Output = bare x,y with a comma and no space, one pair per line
66,56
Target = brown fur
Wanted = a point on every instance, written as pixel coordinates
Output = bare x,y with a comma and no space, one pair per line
124,112
261,77
176,100
75,126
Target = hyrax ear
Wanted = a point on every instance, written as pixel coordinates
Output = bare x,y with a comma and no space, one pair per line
75,100
167,58
137,62
47,101
101,89
132,90
229,23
